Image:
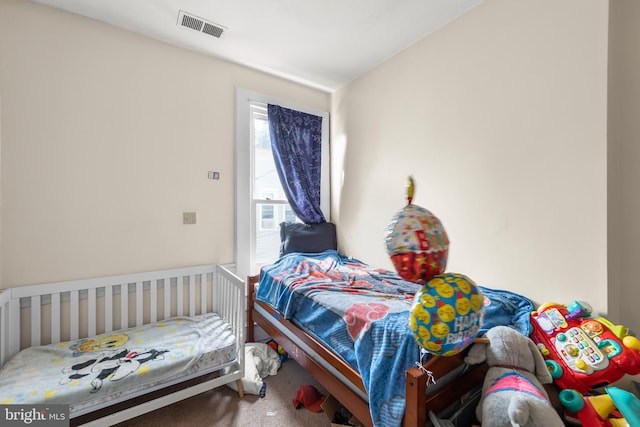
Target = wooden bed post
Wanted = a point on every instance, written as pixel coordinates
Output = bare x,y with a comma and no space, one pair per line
416,408
251,285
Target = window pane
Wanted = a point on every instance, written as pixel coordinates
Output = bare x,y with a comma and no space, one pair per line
266,178
267,238
267,218
289,215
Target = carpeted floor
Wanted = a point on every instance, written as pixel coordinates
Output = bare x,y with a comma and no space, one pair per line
223,407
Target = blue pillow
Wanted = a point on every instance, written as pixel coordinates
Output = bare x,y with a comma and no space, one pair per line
309,238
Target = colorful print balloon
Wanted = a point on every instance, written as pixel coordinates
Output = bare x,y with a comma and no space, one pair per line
417,242
446,314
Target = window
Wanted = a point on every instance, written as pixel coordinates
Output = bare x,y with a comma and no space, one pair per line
266,218
261,204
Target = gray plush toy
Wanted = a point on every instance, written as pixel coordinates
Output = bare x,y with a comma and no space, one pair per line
512,392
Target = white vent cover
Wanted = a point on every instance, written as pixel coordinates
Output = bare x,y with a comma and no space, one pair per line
189,20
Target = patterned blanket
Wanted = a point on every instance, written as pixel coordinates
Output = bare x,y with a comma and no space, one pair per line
362,313
93,372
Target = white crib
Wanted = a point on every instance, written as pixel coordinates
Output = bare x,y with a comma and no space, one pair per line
64,311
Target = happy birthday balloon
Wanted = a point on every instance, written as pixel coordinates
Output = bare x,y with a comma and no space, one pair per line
446,314
417,242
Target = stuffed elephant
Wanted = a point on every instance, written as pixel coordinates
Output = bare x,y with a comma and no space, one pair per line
512,392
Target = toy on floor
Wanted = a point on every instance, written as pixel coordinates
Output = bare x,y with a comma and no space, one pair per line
282,354
309,397
583,353
512,392
600,410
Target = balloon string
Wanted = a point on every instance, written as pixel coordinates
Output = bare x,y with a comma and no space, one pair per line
430,378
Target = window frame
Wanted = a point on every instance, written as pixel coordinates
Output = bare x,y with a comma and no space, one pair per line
245,227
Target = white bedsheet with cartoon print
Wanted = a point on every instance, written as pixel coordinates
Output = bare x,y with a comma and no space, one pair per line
93,372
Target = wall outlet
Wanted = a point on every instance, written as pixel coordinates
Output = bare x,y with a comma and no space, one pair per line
189,218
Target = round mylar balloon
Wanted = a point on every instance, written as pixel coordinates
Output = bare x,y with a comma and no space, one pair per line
447,313
417,242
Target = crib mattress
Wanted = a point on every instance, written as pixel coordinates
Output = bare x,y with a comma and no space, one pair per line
92,373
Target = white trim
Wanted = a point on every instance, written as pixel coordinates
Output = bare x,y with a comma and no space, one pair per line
245,221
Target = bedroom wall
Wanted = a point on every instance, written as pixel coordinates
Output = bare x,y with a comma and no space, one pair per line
1,222
623,160
107,137
501,119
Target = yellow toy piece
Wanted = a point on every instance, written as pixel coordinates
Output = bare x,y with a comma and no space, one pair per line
631,342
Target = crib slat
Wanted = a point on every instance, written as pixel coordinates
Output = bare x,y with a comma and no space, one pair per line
227,295
221,297
124,306
153,310
192,295
218,297
139,303
215,292
55,317
167,298
35,320
180,290
4,326
203,293
14,322
108,308
91,304
74,315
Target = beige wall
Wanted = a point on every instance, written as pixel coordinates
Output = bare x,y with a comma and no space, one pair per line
501,118
107,137
623,161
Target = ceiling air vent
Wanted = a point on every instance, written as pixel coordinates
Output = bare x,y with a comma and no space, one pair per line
195,23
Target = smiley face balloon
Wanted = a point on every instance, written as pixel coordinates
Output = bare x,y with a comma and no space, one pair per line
417,242
446,314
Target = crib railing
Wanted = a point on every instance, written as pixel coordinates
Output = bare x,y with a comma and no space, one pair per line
62,311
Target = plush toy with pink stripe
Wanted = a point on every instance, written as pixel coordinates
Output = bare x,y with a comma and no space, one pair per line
512,392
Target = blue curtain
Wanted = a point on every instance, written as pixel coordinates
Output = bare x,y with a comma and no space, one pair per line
296,139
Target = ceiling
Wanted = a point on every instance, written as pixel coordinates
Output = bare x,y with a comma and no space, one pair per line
320,43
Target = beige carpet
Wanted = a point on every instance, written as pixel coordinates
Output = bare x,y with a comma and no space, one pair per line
223,407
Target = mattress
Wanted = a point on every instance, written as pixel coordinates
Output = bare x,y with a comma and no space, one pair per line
92,373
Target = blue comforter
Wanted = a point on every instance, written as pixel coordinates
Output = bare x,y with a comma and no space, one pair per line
362,313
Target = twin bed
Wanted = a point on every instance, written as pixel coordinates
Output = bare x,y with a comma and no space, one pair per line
117,347
346,322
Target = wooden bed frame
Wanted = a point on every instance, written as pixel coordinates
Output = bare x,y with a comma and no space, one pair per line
57,312
455,379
